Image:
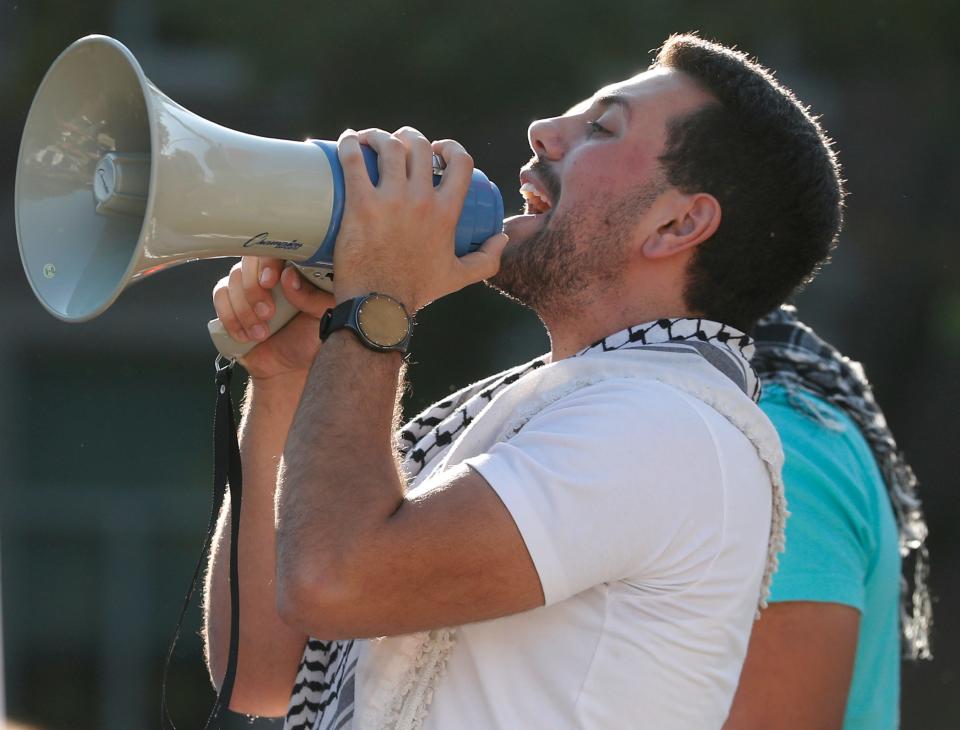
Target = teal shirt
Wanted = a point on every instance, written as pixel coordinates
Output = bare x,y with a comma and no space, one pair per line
842,544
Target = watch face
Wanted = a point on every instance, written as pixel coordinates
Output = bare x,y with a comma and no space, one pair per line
383,320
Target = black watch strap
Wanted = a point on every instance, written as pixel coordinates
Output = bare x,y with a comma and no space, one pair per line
337,317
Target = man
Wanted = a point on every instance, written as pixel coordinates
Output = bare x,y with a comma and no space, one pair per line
826,652
586,537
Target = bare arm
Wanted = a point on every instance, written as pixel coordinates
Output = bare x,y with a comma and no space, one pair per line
355,559
798,668
269,650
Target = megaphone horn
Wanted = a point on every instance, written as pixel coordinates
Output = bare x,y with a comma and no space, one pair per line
116,181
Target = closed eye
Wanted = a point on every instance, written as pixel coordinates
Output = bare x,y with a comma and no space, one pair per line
596,128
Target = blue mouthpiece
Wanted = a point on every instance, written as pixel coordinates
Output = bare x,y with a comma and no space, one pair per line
481,217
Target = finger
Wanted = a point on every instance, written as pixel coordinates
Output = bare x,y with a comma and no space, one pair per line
457,174
391,155
270,271
484,262
303,295
252,270
356,179
250,322
225,313
419,157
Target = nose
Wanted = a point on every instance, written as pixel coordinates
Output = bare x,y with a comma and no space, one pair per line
547,139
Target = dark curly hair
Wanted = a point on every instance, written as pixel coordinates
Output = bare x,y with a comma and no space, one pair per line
769,163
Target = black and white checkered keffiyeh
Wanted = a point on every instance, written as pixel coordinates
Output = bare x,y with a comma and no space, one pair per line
790,353
324,689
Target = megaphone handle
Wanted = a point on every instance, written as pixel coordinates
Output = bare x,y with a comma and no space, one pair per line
230,348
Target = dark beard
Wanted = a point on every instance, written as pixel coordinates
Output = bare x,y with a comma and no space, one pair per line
545,270
554,274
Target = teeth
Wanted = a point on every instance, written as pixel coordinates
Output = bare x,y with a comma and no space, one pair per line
531,193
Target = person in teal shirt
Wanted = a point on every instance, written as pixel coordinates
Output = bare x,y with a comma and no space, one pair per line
826,653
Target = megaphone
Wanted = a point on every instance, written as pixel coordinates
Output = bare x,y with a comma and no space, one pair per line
116,181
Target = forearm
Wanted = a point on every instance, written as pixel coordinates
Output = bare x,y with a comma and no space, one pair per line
798,668
340,481
269,649
340,491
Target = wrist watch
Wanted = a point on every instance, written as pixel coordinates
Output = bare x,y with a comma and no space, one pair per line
379,321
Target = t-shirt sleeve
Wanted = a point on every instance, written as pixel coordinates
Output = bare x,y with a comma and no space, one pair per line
828,540
618,480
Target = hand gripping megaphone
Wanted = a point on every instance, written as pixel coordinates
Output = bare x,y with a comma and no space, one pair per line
115,181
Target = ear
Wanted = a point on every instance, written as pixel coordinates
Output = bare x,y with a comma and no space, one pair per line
694,219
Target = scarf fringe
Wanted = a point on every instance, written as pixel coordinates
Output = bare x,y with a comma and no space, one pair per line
410,705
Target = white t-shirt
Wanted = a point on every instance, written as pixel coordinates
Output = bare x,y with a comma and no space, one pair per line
647,515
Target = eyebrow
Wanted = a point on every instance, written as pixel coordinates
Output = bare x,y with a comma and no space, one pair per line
615,100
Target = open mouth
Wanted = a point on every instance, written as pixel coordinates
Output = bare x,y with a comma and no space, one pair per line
535,200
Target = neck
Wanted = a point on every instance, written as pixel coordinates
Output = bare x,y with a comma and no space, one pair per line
576,319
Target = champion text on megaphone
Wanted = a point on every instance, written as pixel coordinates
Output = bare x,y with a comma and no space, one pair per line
116,181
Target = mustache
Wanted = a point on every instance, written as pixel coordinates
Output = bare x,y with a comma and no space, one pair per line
547,175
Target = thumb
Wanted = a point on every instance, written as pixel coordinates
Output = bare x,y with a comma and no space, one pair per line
303,295
485,261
